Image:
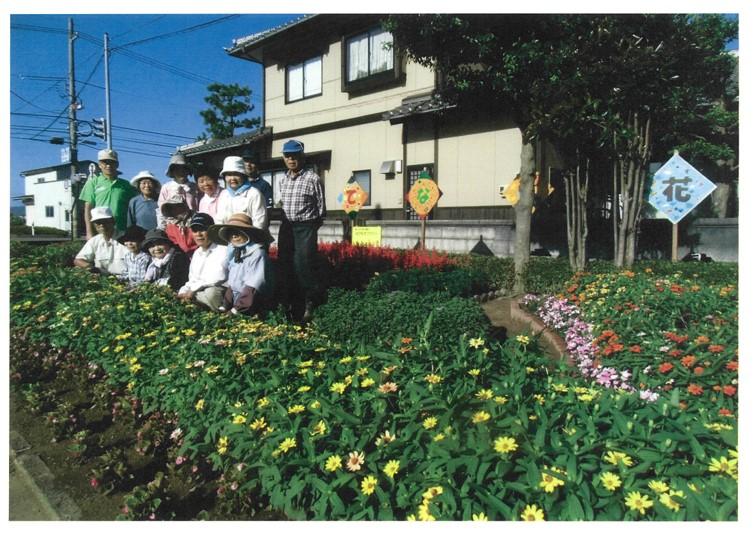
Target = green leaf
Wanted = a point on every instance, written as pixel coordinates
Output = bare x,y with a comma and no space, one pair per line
575,510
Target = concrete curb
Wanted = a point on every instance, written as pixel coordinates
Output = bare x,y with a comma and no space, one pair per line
36,496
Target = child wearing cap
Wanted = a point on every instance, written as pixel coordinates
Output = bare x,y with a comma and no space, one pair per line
142,209
179,170
169,265
249,273
136,260
208,270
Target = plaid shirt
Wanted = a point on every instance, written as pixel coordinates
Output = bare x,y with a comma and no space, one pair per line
136,267
303,196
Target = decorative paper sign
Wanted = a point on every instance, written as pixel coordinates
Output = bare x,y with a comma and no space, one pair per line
677,188
366,235
511,191
353,197
423,195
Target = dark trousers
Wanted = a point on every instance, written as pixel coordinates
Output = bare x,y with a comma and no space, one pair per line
297,255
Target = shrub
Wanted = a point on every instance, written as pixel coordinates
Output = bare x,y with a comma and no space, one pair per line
455,282
371,317
22,229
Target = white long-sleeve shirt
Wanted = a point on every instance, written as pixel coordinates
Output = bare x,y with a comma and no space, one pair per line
208,267
250,202
109,256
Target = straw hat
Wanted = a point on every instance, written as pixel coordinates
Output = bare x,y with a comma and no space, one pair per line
219,233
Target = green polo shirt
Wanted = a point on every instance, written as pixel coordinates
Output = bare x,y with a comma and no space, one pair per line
101,191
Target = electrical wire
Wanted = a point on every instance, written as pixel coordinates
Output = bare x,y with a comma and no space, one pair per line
176,32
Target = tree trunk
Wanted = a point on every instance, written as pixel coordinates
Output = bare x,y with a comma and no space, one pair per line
522,210
576,194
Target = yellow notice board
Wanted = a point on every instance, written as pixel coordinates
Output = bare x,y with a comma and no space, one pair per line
366,235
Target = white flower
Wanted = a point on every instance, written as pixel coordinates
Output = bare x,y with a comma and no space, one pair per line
164,371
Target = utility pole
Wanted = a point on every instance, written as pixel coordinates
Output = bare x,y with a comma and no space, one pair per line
108,124
72,130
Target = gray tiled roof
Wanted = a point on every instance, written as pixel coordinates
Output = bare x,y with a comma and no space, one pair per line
429,103
256,38
212,145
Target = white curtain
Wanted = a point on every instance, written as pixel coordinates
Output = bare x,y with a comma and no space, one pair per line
358,57
381,57
313,76
295,82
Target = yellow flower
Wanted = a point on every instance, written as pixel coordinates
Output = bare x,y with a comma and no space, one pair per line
314,405
199,405
355,460
431,492
263,402
367,382
559,387
134,368
239,419
539,399
474,372
391,468
658,486
385,438
670,499
345,360
429,422
476,343
618,457
549,482
222,445
320,428
610,481
287,444
523,339
368,485
438,437
259,423
530,369
295,409
424,514
130,386
434,379
333,463
189,332
339,387
638,502
480,517
501,400
724,466
532,513
505,445
480,417
484,394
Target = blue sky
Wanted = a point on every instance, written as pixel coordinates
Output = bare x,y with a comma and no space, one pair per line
144,98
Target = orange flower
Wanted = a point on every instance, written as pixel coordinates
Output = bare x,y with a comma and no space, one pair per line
732,366
677,289
729,390
717,388
695,389
664,368
702,339
715,348
688,361
635,348
725,412
675,353
406,340
388,386
699,370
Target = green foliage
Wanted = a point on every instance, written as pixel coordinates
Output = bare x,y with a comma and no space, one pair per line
229,102
23,229
455,282
373,317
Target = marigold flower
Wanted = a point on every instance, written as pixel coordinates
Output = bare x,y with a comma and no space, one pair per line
702,339
715,348
424,514
532,513
355,460
699,370
610,481
333,463
505,445
695,389
688,361
638,502
725,412
391,468
501,399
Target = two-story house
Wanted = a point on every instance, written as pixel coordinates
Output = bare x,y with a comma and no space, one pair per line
339,84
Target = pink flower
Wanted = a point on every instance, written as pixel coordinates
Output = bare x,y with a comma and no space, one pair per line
179,460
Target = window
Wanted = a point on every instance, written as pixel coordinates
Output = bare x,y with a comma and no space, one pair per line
304,80
49,211
367,54
364,179
273,177
67,216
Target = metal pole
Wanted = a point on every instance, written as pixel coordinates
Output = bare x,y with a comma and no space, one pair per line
108,126
72,129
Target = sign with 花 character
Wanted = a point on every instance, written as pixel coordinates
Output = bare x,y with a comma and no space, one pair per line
353,197
677,188
423,195
366,235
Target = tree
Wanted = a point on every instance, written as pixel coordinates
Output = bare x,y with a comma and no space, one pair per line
229,103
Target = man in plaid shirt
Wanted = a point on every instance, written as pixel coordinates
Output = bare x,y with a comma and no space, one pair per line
303,199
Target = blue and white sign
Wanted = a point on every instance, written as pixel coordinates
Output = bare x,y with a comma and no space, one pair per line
677,188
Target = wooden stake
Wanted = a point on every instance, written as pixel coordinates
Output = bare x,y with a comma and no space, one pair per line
424,232
674,245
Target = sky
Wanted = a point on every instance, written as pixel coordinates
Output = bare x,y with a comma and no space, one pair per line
157,87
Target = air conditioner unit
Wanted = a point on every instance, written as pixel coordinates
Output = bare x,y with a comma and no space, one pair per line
391,167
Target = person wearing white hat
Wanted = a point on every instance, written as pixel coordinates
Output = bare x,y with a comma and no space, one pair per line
106,189
102,254
239,196
179,185
142,209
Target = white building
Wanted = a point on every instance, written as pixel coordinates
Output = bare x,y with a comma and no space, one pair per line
48,196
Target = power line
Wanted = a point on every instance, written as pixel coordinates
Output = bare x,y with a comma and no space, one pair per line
14,93
153,132
177,32
164,66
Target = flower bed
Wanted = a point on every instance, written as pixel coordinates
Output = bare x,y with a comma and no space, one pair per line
418,430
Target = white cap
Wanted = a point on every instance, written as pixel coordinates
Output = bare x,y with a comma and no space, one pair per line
107,155
233,163
101,213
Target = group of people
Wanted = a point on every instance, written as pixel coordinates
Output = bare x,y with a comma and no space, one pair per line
208,243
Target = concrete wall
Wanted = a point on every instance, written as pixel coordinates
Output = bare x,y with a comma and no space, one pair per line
48,190
718,238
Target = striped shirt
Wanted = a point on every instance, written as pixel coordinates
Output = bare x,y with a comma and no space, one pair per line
303,196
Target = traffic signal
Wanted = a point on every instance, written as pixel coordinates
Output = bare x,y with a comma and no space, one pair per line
99,128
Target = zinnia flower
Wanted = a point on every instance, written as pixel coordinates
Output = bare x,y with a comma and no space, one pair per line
505,445
695,389
610,481
429,422
391,468
388,386
333,463
638,502
368,485
658,486
480,416
355,460
549,482
532,513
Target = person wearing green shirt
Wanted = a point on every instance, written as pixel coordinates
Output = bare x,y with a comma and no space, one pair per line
106,189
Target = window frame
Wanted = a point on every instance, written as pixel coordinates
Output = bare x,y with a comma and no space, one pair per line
303,63
368,190
49,211
371,81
